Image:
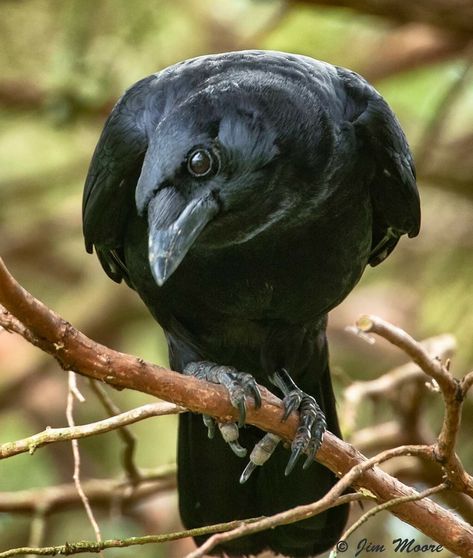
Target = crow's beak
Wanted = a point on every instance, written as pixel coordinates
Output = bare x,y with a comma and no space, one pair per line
173,226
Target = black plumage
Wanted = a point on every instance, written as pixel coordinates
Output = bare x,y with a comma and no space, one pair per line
241,195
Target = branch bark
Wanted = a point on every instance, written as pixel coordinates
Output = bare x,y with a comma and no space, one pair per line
74,351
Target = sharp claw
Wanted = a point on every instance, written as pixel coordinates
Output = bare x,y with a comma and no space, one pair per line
242,412
287,412
256,395
291,406
247,472
309,460
292,461
237,449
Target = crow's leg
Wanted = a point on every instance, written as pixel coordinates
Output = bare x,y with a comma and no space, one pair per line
239,385
308,436
312,424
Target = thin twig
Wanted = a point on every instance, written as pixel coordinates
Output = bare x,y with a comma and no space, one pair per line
442,346
125,433
92,546
466,383
452,393
100,492
386,505
74,392
244,529
51,435
37,528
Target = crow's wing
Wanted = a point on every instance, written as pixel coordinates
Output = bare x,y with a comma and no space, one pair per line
113,173
384,148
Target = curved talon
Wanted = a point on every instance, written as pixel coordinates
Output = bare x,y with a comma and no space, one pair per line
310,456
292,402
241,406
296,453
311,426
256,395
230,433
238,450
262,451
247,472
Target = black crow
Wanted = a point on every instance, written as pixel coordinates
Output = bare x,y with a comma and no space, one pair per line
241,195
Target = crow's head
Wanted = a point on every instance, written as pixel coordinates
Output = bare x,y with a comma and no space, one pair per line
206,178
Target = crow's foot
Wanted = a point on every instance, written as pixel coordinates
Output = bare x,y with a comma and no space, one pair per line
312,423
308,436
239,385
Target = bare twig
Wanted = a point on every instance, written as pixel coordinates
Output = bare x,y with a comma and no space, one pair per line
452,392
124,432
37,528
92,546
245,529
74,392
386,505
100,492
442,346
466,383
52,435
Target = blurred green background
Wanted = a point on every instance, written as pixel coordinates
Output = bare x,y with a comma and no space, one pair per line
63,64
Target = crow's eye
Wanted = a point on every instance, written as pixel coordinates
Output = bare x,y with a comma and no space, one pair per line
202,162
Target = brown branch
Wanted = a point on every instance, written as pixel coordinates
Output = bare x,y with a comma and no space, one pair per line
74,393
52,435
301,512
452,392
442,346
92,546
467,383
75,351
100,492
386,505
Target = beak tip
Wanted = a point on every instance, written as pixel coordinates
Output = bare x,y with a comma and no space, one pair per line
160,270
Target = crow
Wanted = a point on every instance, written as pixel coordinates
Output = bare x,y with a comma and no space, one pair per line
241,195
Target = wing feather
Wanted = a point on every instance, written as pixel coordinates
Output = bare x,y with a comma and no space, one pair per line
113,173
384,148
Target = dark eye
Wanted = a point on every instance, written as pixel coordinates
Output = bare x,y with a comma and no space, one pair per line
202,162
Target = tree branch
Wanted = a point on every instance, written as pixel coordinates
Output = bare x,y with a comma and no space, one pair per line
51,435
100,492
74,351
93,546
452,392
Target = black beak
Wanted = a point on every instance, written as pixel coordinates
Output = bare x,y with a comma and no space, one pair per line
174,224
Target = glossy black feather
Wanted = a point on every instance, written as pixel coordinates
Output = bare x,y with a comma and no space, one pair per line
316,181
